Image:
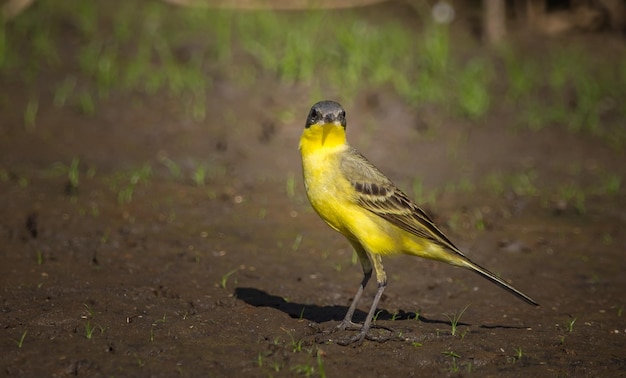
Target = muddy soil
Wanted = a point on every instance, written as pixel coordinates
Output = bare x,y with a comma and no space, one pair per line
238,277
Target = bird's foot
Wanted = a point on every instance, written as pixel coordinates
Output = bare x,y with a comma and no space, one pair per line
365,334
347,325
351,326
357,340
387,334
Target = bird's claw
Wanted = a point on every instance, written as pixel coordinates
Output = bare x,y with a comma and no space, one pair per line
349,325
362,335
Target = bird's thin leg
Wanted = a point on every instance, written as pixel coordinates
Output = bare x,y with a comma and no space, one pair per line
347,320
366,264
370,315
381,277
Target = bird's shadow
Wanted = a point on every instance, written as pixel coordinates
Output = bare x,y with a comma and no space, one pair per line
321,314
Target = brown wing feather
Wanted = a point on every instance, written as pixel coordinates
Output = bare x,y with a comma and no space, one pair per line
376,193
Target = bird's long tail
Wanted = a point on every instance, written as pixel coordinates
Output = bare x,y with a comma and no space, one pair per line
498,281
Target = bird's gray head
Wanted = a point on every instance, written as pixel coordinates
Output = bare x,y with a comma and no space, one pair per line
326,112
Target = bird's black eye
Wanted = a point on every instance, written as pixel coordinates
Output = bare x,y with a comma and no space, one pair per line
314,117
342,118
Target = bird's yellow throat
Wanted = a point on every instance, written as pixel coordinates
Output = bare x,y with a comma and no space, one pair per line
323,135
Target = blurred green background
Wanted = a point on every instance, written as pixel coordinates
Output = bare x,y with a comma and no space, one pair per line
77,53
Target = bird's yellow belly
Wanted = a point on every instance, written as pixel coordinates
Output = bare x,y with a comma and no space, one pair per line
376,234
372,232
331,195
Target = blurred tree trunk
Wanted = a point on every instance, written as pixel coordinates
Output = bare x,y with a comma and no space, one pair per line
617,14
535,13
494,21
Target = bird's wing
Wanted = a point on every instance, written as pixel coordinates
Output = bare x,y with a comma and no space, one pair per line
376,193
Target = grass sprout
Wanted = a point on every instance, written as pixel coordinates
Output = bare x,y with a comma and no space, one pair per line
40,257
296,345
454,320
296,243
224,279
570,325
20,342
90,329
454,356
73,176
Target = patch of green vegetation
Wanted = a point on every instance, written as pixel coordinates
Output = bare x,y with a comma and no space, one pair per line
199,175
306,370
296,345
454,319
296,243
73,176
90,329
173,167
609,184
320,365
224,279
86,103
574,194
150,48
474,88
89,310
521,183
417,316
40,257
479,220
375,317
494,183
124,183
20,342
354,258
455,368
296,354
519,353
106,62
154,326
567,88
522,75
570,325
145,49
140,361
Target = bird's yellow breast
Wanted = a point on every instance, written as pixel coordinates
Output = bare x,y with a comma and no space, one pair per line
334,199
327,190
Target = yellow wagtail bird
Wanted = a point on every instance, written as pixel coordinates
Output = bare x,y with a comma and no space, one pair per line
357,200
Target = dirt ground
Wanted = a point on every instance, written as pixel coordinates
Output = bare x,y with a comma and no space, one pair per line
239,277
